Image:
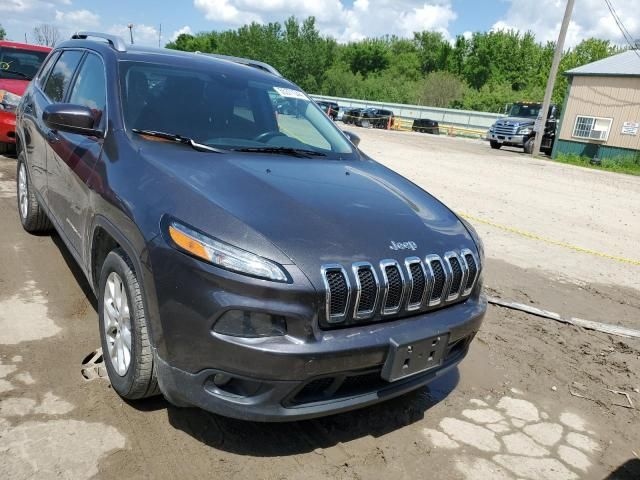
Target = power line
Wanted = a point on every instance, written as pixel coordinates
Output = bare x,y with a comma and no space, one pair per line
625,33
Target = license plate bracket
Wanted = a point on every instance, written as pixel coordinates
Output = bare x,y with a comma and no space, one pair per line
408,358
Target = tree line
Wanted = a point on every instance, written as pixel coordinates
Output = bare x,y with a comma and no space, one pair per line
483,72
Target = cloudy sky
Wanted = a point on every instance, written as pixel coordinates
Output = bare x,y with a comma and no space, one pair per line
344,19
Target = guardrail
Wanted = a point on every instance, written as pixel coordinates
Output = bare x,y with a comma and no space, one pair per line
450,120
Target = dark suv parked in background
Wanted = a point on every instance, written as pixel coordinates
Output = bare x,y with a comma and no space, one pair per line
253,263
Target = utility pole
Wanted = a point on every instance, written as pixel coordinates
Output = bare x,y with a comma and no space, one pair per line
552,76
159,35
130,27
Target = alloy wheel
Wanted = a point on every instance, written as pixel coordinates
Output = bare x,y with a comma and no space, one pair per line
117,323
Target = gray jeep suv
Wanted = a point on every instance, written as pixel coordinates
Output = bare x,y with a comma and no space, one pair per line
250,262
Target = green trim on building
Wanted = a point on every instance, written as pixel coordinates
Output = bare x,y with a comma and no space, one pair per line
591,150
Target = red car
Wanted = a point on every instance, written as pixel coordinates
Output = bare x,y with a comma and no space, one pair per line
19,62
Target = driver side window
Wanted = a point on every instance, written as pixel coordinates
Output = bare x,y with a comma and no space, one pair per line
89,89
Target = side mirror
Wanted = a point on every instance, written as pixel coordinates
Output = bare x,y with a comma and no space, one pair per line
355,139
68,117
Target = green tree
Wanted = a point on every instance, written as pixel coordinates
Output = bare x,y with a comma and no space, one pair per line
441,89
3,33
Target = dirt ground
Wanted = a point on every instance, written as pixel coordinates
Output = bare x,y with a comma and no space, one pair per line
531,401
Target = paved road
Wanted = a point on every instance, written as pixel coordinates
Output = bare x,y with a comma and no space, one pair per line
506,413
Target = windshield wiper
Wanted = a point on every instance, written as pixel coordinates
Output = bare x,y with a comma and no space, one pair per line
178,139
296,152
15,72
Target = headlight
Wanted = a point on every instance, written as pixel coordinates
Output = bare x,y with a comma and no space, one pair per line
524,131
224,255
476,238
8,101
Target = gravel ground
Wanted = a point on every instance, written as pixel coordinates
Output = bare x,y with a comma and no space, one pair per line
531,401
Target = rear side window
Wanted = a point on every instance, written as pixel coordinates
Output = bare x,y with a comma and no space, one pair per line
89,88
60,78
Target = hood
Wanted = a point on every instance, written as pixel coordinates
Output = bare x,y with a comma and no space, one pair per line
517,121
14,86
318,211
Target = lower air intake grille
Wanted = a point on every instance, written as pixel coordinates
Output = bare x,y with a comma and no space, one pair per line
368,290
456,281
394,294
473,270
418,283
338,292
439,279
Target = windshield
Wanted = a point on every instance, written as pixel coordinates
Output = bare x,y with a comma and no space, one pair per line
226,110
524,111
20,64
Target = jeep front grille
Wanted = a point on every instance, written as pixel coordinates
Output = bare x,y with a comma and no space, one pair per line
337,292
394,288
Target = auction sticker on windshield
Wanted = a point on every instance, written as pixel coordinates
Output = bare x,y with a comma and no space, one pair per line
290,93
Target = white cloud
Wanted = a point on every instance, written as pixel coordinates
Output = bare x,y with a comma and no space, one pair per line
590,18
77,19
364,18
180,31
142,34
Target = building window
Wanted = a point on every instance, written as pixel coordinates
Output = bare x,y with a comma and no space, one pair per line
592,128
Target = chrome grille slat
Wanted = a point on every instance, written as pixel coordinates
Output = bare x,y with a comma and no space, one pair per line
440,279
366,295
418,283
457,276
473,270
389,267
392,287
336,311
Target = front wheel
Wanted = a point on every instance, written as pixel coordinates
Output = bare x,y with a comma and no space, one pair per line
528,146
124,331
495,145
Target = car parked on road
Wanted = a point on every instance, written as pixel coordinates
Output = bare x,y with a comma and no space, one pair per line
330,108
19,62
376,118
352,116
426,125
252,263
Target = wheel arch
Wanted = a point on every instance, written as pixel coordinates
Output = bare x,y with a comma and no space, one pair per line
105,237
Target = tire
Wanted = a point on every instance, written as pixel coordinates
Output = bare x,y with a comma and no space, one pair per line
528,146
137,378
32,215
495,145
7,148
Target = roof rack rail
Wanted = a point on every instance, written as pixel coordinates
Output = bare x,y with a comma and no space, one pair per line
245,61
115,41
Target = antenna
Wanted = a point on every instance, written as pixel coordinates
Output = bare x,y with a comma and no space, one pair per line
159,35
130,27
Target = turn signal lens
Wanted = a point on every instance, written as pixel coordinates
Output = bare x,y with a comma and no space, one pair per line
224,255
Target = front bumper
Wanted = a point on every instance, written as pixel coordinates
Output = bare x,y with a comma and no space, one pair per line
512,140
293,381
7,127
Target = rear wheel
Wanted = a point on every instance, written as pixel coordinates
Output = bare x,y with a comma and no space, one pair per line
32,215
495,145
124,330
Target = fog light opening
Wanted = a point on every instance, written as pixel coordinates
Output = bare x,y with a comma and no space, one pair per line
242,323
